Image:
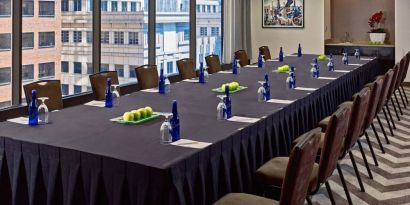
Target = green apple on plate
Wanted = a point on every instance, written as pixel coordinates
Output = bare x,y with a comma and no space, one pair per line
137,115
143,112
322,58
284,68
149,111
128,116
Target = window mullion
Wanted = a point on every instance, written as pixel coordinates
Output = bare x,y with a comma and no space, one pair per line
16,82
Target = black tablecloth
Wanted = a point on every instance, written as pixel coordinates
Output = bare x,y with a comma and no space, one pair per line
83,158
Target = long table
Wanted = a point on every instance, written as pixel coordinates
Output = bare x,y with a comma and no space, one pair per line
83,158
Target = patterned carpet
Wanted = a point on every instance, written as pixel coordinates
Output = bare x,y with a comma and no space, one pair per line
391,179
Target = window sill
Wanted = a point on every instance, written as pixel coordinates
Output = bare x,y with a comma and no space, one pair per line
46,16
46,47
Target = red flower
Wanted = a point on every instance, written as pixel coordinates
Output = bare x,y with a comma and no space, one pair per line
375,19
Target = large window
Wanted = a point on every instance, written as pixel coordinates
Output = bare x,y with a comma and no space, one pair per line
28,8
46,39
172,32
46,8
28,40
5,53
208,23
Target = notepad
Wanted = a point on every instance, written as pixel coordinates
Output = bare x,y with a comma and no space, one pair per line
294,55
194,80
225,71
151,90
341,71
275,60
96,103
19,120
305,89
327,78
251,66
243,119
191,144
355,64
278,101
366,59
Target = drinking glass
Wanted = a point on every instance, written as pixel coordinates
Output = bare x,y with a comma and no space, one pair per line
167,85
261,91
43,113
165,130
220,109
115,95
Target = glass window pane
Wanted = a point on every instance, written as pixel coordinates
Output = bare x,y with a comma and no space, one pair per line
64,67
77,5
46,70
5,53
46,8
28,8
46,39
64,89
5,41
172,32
77,67
28,40
28,72
124,30
5,8
209,23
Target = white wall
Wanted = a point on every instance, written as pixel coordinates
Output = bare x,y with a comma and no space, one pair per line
328,19
311,37
402,30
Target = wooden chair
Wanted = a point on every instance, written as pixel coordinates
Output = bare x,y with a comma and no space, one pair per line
272,172
99,83
213,63
46,88
242,57
186,68
296,176
264,50
147,76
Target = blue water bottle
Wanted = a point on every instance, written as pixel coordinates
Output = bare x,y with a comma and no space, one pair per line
330,64
175,122
299,51
33,109
281,54
345,59
293,75
267,88
357,54
260,61
234,65
161,83
201,73
228,103
108,94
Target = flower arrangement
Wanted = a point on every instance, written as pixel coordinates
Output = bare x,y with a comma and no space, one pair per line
374,22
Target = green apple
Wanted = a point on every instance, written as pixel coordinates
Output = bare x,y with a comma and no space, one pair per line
137,115
235,85
143,112
223,86
322,57
128,116
149,111
231,87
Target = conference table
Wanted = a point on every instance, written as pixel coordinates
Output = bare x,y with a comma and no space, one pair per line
83,158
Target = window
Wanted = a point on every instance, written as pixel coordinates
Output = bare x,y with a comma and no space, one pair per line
120,70
118,37
77,89
46,8
46,70
77,37
198,8
209,39
27,72
77,67
89,37
27,40
89,5
46,39
186,35
105,37
64,67
104,67
203,31
104,6
64,89
65,36
89,89
124,6
5,7
133,38
5,76
64,5
133,6
5,41
170,67
114,6
28,8
77,5
90,69
132,72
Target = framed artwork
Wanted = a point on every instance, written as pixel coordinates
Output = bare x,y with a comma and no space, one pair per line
283,13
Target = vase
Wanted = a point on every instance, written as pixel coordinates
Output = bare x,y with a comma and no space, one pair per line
377,37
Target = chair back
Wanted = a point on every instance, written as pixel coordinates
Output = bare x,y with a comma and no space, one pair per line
264,50
242,57
147,76
393,81
99,83
213,63
333,142
401,71
46,88
376,87
299,169
359,110
406,67
385,89
186,68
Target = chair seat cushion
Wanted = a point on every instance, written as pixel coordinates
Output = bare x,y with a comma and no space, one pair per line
273,172
244,199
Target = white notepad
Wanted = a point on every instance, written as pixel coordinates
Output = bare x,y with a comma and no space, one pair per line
341,71
327,78
191,80
305,89
225,71
355,64
96,103
275,60
366,59
191,144
19,120
278,101
151,90
251,66
243,119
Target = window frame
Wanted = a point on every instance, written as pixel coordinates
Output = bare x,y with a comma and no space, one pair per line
40,39
47,15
